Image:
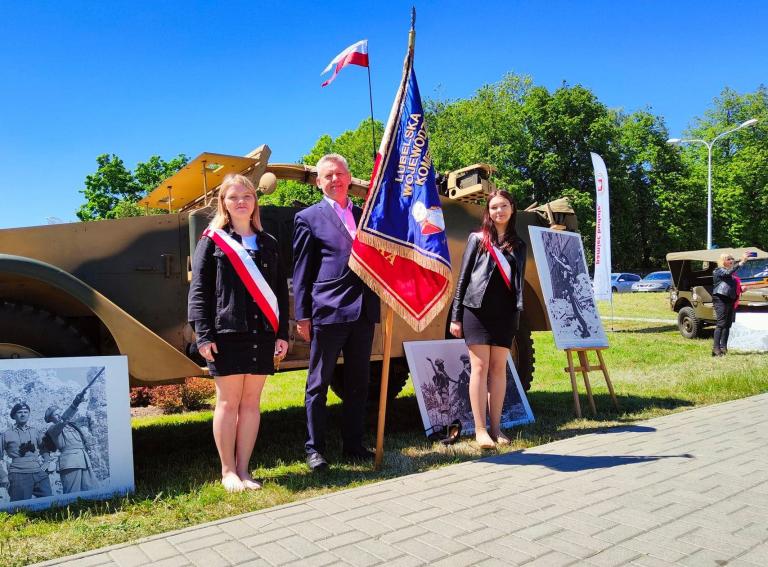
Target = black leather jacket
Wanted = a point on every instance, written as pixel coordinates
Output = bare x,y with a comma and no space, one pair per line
723,282
218,299
475,273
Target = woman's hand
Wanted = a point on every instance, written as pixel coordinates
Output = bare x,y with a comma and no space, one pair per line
746,257
456,329
207,350
281,348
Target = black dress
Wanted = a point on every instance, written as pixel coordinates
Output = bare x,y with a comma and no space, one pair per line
495,321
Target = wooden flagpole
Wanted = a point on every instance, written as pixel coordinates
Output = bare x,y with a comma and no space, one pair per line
387,338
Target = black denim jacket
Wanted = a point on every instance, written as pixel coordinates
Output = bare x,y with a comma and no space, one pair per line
475,273
723,282
219,303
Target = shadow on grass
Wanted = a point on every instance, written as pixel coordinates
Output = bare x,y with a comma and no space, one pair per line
658,329
178,459
575,463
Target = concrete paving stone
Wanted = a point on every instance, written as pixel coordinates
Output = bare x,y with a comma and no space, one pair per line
756,555
355,513
341,540
406,561
353,555
192,534
403,534
478,537
428,512
301,546
538,531
206,557
614,557
319,560
88,561
668,550
391,520
464,559
258,522
589,542
738,562
259,562
443,543
553,559
438,526
566,547
755,532
670,531
618,533
451,502
371,527
234,552
328,506
332,525
204,542
506,521
380,549
704,557
275,553
305,515
175,561
399,505
635,518
505,553
237,529
525,546
157,549
311,531
601,509
649,561
418,548
287,510
714,544
263,538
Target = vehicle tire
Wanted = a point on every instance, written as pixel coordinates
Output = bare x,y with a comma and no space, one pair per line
32,332
523,354
615,289
690,326
398,376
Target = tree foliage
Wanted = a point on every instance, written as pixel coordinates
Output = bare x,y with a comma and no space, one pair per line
113,191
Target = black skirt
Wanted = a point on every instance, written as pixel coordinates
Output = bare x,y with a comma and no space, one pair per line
243,353
495,321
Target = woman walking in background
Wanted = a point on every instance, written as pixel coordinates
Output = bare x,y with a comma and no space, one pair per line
238,305
725,295
486,310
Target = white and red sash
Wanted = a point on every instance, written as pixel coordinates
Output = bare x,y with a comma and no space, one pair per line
249,274
501,262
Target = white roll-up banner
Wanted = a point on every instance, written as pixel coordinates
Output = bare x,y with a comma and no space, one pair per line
602,280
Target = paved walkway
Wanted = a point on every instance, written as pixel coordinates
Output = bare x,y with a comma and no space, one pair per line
685,489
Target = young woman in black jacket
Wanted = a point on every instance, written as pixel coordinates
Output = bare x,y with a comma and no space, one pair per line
241,321
724,296
486,310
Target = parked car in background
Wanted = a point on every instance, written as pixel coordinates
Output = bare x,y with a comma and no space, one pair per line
655,281
622,282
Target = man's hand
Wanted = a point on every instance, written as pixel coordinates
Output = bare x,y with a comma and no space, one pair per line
304,328
207,350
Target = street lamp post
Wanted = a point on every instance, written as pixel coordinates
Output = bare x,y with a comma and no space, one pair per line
675,141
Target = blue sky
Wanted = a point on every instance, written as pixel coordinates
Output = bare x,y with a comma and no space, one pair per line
136,78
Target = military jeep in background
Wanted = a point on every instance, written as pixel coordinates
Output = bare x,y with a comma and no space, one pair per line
120,286
691,293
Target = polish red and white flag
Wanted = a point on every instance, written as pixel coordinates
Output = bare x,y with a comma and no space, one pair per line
355,54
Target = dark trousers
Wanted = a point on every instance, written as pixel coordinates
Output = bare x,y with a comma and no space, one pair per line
724,313
354,340
24,486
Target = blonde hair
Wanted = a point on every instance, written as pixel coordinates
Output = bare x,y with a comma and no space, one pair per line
221,219
723,257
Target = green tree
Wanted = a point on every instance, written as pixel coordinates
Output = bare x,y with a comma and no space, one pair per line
113,191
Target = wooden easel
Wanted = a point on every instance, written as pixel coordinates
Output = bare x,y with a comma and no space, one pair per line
585,368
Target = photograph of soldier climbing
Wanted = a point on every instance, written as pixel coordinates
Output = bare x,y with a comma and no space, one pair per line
567,288
56,441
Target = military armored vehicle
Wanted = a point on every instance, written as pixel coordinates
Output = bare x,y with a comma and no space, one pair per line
120,286
691,293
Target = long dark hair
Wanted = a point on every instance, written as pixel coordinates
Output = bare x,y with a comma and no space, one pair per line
488,228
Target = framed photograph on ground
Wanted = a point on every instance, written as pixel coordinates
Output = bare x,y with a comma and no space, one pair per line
440,373
567,289
65,430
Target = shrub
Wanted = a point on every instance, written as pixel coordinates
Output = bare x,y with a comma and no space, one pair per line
141,396
194,394
197,393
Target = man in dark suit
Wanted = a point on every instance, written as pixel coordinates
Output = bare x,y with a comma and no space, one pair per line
335,310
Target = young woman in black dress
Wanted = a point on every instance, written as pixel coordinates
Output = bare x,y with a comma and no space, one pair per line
235,333
486,310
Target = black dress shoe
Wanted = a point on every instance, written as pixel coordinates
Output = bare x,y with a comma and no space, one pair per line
316,462
359,454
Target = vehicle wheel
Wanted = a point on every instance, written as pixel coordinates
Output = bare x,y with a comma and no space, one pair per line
523,354
398,376
31,332
690,326
615,290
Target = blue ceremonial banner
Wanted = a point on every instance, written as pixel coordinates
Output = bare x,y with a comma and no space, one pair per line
401,249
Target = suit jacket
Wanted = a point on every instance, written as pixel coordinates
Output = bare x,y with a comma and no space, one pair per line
325,289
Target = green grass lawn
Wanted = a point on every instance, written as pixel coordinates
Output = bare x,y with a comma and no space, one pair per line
654,370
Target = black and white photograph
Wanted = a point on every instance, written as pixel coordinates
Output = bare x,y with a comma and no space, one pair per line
567,288
64,430
440,373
